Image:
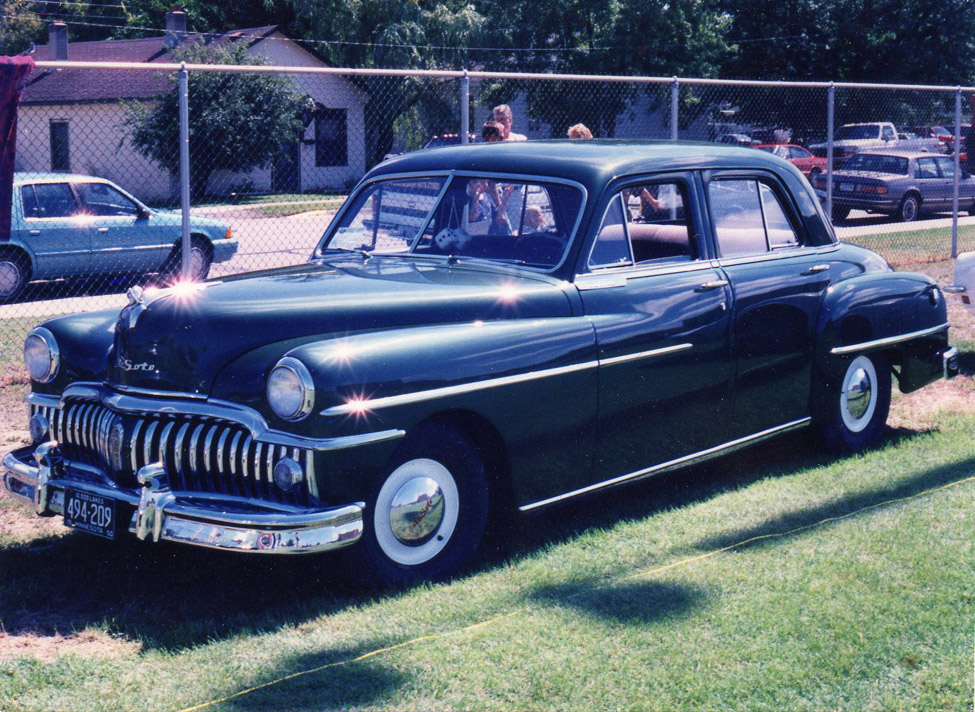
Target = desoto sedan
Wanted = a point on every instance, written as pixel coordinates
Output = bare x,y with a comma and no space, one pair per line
481,328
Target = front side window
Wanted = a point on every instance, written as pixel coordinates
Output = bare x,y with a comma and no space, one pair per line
644,223
105,201
523,222
748,217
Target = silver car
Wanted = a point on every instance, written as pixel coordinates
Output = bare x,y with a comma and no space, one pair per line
902,184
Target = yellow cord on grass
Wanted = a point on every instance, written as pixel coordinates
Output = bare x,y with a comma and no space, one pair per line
641,574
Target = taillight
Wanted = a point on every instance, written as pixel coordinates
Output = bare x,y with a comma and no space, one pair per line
229,234
873,189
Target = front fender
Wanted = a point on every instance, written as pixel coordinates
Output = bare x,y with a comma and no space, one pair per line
901,313
533,381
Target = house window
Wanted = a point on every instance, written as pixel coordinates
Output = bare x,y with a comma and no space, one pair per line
60,156
331,138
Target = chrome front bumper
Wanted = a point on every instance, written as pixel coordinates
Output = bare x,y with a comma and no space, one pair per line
160,514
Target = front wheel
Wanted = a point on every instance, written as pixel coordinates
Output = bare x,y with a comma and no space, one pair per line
855,406
200,259
427,515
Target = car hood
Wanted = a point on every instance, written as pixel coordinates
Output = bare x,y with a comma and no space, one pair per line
180,339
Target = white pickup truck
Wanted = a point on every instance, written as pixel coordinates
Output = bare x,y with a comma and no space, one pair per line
854,138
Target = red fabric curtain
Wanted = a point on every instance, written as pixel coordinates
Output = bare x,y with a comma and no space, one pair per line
13,75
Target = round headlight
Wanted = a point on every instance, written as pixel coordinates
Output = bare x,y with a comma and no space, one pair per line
41,355
290,390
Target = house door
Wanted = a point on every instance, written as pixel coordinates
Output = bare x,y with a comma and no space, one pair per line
286,176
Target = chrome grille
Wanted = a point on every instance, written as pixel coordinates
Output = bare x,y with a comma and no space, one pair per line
200,454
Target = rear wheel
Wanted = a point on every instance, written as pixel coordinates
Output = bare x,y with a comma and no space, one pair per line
839,214
910,208
427,515
855,405
14,276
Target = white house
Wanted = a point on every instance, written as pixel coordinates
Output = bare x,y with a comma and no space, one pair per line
73,120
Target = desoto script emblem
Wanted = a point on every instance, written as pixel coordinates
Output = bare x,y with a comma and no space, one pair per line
127,365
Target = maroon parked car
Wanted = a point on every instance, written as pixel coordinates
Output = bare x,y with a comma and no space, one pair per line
798,156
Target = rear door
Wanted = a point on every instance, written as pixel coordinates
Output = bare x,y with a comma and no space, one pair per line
778,285
56,230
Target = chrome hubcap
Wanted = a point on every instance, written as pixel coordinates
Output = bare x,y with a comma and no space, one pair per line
197,263
416,511
858,397
9,278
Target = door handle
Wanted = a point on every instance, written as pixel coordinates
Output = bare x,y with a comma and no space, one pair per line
713,284
34,233
103,229
818,268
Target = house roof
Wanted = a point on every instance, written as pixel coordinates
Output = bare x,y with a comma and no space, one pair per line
67,86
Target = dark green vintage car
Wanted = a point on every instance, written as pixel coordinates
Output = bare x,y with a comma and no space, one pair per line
489,327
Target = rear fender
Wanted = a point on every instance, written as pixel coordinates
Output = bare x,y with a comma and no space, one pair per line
902,314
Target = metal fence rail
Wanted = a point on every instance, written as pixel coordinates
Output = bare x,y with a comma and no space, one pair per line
224,162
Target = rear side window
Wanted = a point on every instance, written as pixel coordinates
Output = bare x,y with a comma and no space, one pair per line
48,200
644,223
749,218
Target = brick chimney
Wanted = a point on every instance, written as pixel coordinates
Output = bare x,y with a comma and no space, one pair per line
57,41
175,26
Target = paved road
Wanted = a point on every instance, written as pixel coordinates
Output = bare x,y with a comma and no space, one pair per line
280,241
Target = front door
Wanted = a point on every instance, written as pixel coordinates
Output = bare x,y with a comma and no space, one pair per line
124,237
286,175
660,313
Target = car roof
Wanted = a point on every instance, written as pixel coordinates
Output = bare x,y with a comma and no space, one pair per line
592,163
901,153
32,177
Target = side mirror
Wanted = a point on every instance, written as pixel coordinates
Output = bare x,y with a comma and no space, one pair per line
144,213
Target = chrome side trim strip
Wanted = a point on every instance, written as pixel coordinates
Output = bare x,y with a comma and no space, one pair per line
447,391
890,340
679,462
645,354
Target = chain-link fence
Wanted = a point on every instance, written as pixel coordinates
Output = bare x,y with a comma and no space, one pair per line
104,195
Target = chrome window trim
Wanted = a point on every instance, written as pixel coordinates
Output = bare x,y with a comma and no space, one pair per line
611,277
673,464
887,341
780,253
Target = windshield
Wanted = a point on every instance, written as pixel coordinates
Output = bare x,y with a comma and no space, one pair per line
517,221
857,133
874,163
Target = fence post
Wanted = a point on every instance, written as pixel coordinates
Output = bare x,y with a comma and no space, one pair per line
830,118
954,197
465,107
184,169
674,107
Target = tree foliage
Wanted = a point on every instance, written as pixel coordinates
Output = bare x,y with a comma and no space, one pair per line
237,122
19,26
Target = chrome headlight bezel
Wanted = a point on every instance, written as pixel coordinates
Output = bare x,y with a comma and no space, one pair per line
290,390
42,365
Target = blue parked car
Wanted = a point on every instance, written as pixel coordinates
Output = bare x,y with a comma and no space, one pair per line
71,226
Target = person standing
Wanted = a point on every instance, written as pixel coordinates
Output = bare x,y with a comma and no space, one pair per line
502,114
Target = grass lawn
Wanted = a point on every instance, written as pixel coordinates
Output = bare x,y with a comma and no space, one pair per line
903,249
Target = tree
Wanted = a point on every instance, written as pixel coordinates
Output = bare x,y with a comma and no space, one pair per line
19,26
237,122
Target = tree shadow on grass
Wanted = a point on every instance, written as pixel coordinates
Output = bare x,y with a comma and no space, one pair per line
776,528
627,602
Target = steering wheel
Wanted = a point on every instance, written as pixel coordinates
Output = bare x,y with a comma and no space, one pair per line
539,248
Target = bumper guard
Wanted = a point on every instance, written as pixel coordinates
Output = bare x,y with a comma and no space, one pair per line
205,520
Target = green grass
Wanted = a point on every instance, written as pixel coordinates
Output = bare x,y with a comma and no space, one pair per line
917,246
613,602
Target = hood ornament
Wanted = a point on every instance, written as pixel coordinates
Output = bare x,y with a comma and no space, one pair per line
136,295
136,305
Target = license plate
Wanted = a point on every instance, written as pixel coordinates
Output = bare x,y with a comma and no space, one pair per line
846,187
91,513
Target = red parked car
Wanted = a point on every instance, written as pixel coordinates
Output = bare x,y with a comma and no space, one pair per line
798,156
